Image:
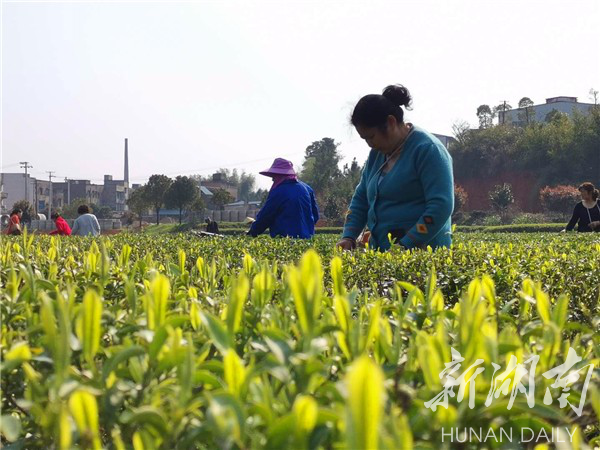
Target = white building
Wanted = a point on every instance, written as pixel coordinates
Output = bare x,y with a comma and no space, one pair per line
538,113
13,187
444,139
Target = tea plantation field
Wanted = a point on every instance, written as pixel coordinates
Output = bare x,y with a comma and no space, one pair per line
170,341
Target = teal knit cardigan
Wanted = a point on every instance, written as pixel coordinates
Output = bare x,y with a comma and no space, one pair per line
412,203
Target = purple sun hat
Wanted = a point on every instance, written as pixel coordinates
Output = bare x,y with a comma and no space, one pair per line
279,167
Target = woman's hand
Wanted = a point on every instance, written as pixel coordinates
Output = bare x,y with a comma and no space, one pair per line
594,225
346,244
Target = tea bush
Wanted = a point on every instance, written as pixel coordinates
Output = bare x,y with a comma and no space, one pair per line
171,341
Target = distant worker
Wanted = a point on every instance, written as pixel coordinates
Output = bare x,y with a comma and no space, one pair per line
211,226
86,224
62,227
587,212
14,222
290,209
26,217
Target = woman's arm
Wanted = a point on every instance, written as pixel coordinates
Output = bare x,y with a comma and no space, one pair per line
75,229
574,219
356,217
266,215
96,224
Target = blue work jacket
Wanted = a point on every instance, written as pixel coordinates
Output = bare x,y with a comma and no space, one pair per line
290,210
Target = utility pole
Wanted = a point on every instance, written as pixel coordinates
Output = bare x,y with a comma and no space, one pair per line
503,111
35,198
25,165
50,176
68,191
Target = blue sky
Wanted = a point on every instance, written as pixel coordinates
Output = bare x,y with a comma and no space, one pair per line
201,85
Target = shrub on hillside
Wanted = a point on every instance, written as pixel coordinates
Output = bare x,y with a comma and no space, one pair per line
501,197
502,200
460,198
559,198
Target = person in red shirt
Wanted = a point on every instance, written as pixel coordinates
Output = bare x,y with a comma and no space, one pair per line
62,227
14,224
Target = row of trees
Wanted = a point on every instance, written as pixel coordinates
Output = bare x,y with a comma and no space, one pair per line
526,115
244,183
561,151
181,193
487,114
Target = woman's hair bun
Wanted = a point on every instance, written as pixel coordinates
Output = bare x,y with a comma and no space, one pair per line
398,95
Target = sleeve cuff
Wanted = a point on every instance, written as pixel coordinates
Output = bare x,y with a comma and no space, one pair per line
351,232
407,242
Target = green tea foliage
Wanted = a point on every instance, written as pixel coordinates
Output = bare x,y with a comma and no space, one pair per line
144,342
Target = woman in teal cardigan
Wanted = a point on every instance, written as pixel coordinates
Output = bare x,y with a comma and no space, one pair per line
406,191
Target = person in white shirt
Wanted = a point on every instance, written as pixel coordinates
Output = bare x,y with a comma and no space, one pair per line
86,224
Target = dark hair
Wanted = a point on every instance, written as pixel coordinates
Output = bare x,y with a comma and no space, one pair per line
589,187
83,209
55,215
373,110
16,211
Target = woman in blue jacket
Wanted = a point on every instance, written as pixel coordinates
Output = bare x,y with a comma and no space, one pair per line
406,191
291,209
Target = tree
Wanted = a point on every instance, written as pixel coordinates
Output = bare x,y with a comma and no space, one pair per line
196,207
559,198
337,199
502,107
525,102
485,152
484,113
526,105
128,217
155,192
460,198
182,192
227,175
70,211
230,176
221,197
501,197
101,212
320,167
246,186
563,151
260,195
594,96
460,129
243,182
138,202
554,116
